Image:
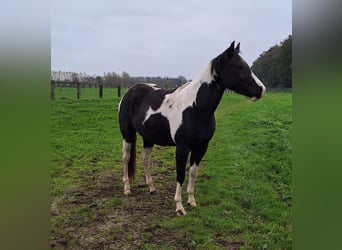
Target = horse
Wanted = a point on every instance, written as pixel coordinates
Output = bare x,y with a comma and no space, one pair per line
183,117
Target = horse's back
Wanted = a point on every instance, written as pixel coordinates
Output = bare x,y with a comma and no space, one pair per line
141,95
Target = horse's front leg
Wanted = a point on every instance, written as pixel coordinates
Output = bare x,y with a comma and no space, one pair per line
182,153
195,159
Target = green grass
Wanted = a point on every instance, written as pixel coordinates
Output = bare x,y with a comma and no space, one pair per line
243,188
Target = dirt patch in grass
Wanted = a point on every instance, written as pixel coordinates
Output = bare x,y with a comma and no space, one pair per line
96,215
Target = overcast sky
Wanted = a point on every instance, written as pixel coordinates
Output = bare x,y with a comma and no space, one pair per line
159,37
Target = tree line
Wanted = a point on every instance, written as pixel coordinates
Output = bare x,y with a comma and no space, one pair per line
125,80
274,66
113,79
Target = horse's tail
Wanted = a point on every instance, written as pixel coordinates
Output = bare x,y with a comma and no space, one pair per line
132,160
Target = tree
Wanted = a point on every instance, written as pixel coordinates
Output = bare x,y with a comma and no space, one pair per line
99,80
112,79
74,77
125,79
274,67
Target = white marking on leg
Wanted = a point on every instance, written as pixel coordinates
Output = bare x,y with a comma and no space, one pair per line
191,185
147,168
176,102
178,199
126,154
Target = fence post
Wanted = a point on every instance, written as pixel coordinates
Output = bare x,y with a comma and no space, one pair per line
53,90
78,85
119,90
100,90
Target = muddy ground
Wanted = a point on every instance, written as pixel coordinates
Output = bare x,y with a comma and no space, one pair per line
96,215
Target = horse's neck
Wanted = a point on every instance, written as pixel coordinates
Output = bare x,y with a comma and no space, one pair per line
208,99
204,93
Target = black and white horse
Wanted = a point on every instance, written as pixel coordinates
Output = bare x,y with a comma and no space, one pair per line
183,117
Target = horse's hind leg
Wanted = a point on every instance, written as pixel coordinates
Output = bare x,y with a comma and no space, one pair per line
191,185
129,159
126,155
147,166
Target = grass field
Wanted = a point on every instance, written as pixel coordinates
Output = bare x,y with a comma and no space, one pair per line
243,188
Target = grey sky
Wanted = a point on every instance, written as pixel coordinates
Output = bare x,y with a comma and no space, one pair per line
161,38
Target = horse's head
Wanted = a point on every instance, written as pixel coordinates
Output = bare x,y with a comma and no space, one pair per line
232,72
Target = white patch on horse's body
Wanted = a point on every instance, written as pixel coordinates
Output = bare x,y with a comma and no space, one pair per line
152,85
176,102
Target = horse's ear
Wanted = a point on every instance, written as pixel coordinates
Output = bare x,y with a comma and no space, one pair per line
230,51
232,45
220,61
237,49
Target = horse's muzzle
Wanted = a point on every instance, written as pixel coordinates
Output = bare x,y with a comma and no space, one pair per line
263,91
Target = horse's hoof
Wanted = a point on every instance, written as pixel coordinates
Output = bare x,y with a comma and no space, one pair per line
180,212
192,204
127,192
153,192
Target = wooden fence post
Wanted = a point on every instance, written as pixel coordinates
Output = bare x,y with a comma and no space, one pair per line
100,90
53,90
78,85
119,90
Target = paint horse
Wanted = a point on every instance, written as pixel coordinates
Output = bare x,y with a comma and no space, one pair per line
183,117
